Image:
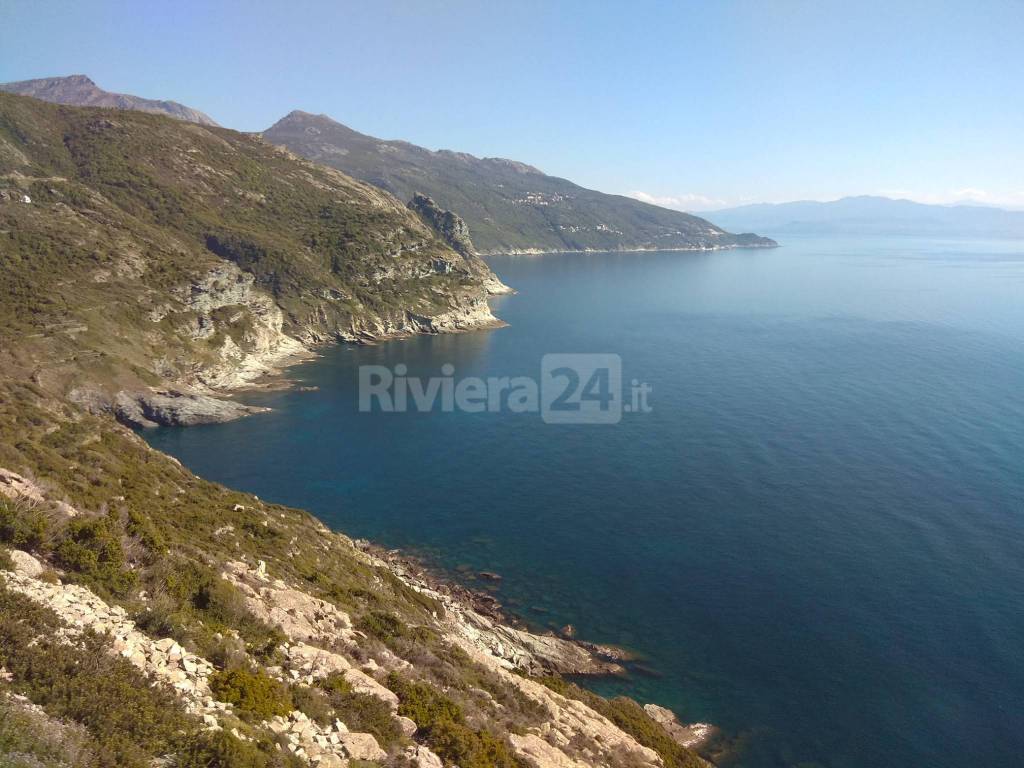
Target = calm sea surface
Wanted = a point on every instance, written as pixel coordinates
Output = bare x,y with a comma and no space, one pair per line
815,539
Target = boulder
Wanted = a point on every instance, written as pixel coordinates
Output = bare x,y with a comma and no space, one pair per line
26,564
362,746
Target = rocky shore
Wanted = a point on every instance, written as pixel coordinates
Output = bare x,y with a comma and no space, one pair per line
322,640
488,623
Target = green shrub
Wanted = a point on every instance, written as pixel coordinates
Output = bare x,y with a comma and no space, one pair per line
459,744
315,704
221,749
130,719
361,712
29,739
382,625
92,547
423,703
254,693
364,713
142,526
442,723
335,683
22,526
194,603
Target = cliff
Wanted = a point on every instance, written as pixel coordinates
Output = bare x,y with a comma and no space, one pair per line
158,263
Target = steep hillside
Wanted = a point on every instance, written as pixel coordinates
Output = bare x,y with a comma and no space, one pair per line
80,91
167,254
148,617
509,206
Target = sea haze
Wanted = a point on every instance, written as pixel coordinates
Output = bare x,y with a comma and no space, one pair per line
815,539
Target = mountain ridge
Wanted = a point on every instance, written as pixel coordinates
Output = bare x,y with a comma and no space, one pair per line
509,206
875,214
81,91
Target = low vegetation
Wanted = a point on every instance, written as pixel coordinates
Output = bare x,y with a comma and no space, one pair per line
254,693
443,725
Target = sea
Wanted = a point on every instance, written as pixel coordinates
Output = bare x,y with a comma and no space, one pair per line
810,532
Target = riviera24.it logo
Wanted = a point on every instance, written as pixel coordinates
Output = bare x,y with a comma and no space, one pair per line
572,388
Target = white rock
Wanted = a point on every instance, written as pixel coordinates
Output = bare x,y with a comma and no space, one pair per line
25,563
421,757
407,725
362,746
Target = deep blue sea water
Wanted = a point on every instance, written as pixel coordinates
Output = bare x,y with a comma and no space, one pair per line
816,537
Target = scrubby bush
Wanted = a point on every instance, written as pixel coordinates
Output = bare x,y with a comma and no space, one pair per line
30,739
22,525
130,720
361,712
314,703
444,727
423,703
92,548
194,604
459,744
254,693
145,530
221,749
382,625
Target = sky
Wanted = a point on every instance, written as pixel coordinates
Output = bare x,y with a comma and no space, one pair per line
693,105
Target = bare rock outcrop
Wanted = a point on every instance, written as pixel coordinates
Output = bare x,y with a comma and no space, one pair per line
177,408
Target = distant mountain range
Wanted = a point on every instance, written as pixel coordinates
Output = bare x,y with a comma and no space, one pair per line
868,215
509,206
80,91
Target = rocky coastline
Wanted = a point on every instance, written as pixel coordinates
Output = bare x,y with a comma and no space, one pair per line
641,249
562,654
321,641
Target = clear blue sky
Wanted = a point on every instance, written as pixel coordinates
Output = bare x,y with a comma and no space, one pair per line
697,101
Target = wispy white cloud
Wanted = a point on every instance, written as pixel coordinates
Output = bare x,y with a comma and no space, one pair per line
686,201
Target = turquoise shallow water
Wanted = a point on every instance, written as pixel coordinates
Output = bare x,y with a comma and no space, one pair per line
815,539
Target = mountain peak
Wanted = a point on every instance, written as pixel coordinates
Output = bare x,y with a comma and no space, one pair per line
80,91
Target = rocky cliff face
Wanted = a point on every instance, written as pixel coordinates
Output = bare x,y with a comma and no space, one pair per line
454,231
192,260
80,91
451,227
